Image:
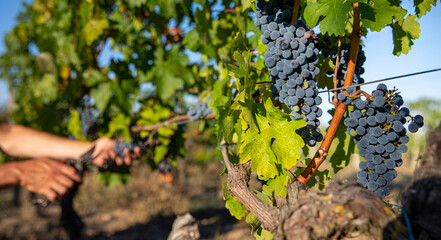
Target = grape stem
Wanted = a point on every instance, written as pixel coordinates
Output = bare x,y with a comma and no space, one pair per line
367,95
263,82
321,154
176,120
334,79
259,69
295,11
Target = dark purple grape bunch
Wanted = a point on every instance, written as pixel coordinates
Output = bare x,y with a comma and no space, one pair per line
377,125
272,11
121,144
89,116
291,58
165,166
199,111
332,53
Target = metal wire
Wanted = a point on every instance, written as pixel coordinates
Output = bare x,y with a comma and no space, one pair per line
383,80
355,85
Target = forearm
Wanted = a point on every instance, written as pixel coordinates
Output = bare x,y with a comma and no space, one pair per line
8,175
21,141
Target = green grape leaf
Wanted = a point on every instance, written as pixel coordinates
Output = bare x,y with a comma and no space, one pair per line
254,40
284,132
136,3
320,178
253,221
228,128
160,152
119,127
93,77
246,4
166,7
264,196
94,28
167,84
257,148
220,101
334,13
249,114
169,72
115,177
377,14
404,33
262,234
423,6
412,26
74,125
236,208
241,72
244,84
46,89
225,189
101,95
191,40
277,185
263,151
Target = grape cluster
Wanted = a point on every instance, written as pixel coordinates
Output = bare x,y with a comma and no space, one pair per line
332,53
200,111
88,116
291,59
165,166
377,125
120,145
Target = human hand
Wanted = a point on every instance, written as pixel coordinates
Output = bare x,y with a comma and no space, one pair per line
44,176
105,150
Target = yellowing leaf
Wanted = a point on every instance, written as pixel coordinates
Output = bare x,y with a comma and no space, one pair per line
93,29
276,143
404,33
74,125
423,6
46,88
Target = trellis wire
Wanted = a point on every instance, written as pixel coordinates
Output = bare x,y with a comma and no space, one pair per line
383,80
355,85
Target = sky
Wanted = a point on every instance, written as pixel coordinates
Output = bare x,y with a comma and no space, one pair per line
380,63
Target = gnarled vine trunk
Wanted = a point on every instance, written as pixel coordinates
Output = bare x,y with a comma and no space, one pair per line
345,210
